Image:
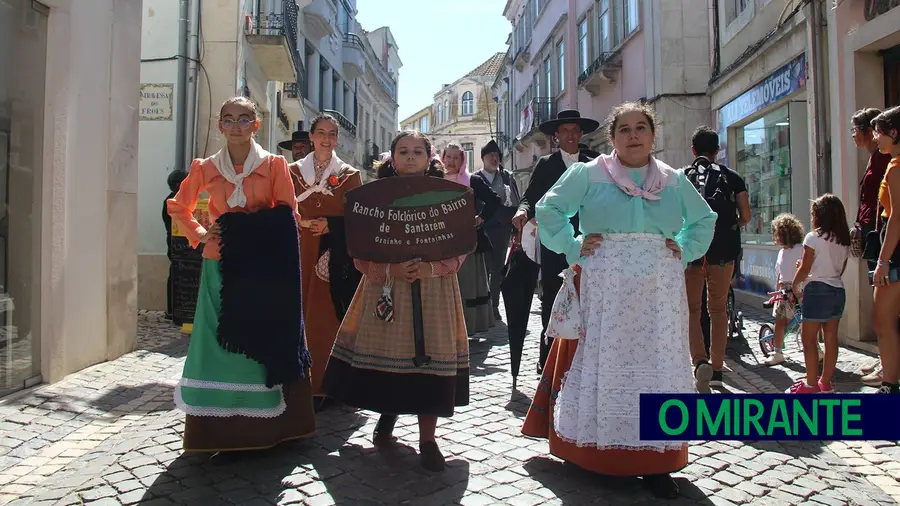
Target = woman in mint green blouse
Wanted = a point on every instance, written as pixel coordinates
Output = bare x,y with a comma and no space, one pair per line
641,223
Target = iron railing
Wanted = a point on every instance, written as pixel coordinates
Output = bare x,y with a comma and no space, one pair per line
284,24
345,123
292,90
384,78
598,63
544,109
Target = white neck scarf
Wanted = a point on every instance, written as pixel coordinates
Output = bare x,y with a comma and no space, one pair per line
222,160
308,173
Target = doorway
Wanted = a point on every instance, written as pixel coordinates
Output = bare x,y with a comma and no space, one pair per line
23,58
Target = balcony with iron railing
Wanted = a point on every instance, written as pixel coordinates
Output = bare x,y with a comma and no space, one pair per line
273,37
601,72
354,56
343,121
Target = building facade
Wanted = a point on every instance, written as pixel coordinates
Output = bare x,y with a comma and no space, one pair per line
68,184
863,71
591,55
293,58
763,105
464,112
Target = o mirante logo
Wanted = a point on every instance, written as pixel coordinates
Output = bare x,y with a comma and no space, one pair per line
751,417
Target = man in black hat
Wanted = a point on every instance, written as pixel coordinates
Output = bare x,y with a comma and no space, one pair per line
499,227
299,145
567,128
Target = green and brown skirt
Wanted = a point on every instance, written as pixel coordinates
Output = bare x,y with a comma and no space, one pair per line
224,395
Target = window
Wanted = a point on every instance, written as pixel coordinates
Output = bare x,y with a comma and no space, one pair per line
561,68
606,40
632,16
343,18
446,110
440,113
764,161
733,9
536,10
424,124
537,84
583,46
547,76
469,149
468,104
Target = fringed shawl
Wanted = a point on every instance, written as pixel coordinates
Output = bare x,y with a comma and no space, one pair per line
262,315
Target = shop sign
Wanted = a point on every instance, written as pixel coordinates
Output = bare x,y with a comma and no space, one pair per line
397,219
874,8
156,102
788,79
758,274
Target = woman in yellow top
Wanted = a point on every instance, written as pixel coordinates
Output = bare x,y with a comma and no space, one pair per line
887,293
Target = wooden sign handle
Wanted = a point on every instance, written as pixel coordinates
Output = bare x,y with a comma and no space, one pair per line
418,325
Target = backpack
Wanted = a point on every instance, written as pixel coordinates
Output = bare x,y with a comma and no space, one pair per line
712,182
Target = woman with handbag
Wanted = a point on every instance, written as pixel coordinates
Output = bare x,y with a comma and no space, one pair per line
867,217
631,304
321,180
887,291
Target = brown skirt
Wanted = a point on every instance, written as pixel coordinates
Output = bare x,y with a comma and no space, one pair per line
241,433
371,366
539,423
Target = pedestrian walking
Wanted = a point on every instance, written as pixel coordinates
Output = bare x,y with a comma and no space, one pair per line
726,193
568,128
229,399
474,274
641,222
498,228
825,252
370,367
321,180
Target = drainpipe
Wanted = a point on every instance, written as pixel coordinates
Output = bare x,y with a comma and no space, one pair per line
182,86
822,179
192,89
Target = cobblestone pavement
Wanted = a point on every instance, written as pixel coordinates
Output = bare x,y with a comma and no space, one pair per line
109,435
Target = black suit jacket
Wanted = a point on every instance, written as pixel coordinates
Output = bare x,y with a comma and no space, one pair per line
546,173
503,216
486,204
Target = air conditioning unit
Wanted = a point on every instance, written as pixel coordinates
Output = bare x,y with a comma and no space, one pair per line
248,24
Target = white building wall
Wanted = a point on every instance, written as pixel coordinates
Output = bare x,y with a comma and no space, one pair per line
89,232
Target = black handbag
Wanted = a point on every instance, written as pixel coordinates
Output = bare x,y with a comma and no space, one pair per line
872,244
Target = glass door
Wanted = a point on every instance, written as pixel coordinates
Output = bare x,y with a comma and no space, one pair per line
23,58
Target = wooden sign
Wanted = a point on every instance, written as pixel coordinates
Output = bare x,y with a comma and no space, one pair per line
396,219
187,262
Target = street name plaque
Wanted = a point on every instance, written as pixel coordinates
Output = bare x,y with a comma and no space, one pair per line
396,219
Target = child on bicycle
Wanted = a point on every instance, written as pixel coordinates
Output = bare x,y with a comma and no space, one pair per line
825,252
787,232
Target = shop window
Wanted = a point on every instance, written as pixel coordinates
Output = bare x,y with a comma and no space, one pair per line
469,149
764,161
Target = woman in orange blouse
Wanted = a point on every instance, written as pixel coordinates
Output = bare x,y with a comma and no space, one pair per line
224,395
887,293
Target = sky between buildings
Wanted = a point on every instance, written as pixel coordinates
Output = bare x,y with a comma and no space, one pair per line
440,41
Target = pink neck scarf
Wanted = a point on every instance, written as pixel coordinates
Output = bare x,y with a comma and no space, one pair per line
654,182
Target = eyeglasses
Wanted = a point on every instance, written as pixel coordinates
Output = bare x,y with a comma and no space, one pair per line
229,123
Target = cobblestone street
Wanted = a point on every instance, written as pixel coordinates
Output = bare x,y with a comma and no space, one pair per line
109,435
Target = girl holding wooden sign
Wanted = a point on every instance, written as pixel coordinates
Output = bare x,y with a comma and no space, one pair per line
374,363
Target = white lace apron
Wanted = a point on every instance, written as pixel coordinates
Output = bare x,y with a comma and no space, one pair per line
636,341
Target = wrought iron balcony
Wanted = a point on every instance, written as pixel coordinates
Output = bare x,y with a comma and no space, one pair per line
604,69
292,90
354,56
273,37
345,123
544,110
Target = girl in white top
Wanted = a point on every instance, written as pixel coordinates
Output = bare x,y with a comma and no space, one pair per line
787,232
825,252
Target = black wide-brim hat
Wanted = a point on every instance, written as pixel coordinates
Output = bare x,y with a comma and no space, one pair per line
568,116
298,136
